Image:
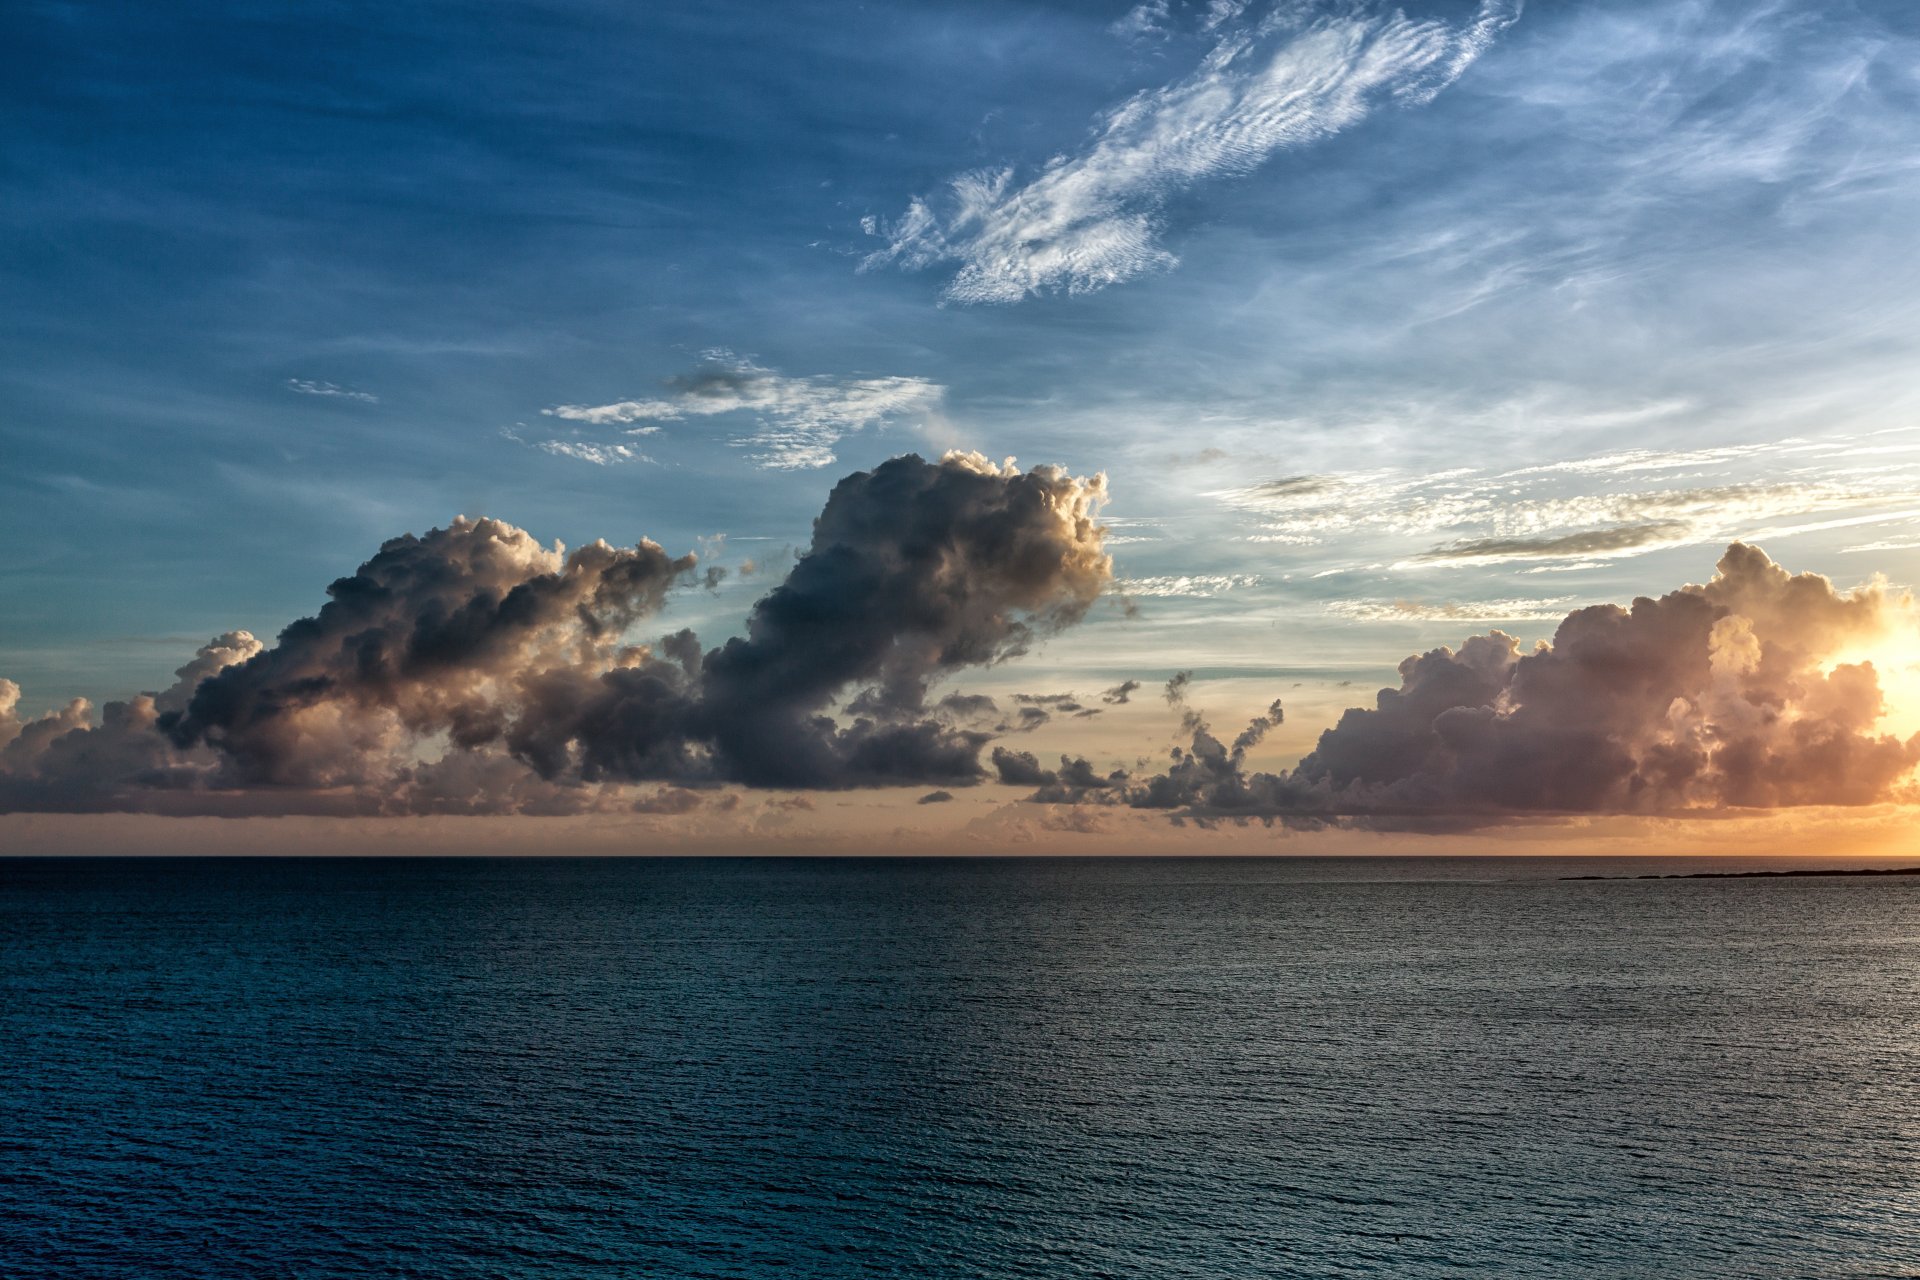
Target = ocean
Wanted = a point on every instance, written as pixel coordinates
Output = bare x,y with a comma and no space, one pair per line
1162,1068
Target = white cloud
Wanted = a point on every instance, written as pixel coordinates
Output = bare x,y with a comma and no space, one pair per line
1510,516
310,387
1550,609
1143,21
1195,586
1220,12
1092,218
800,419
601,455
1882,546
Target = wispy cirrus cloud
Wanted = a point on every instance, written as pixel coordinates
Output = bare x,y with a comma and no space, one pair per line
1545,609
800,419
1591,509
1198,586
1093,217
1584,544
332,390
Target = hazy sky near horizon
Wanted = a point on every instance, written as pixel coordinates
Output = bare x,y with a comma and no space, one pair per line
1387,325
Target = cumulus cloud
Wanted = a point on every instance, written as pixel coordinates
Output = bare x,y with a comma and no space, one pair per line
1736,694
1093,217
475,670
62,760
800,419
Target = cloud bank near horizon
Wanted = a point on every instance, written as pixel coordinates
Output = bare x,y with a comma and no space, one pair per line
473,670
1728,696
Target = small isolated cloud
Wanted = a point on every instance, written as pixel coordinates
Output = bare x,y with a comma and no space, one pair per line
601,455
312,387
800,419
1093,217
1144,21
936,797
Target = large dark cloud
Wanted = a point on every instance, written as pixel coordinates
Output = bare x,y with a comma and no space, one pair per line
430,636
1709,698
474,670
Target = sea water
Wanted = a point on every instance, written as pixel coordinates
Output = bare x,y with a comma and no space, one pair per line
966,1068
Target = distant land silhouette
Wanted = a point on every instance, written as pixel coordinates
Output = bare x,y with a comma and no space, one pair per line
1760,875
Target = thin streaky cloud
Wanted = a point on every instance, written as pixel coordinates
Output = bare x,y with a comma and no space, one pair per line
1595,544
800,419
1094,217
331,390
1584,510
1192,586
1908,545
1821,526
1548,609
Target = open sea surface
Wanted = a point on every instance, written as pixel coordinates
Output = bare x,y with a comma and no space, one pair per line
969,1068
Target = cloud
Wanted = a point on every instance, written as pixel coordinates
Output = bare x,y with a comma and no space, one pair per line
935,797
1586,545
1513,610
800,419
601,455
1193,586
1738,694
1142,22
1073,778
61,760
475,670
1093,217
1585,509
669,800
1120,694
309,387
915,571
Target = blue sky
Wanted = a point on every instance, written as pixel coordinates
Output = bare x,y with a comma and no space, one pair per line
1473,315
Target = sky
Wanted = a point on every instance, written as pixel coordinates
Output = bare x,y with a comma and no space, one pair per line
1038,353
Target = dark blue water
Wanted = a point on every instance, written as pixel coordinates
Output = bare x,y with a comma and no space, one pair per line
970,1068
